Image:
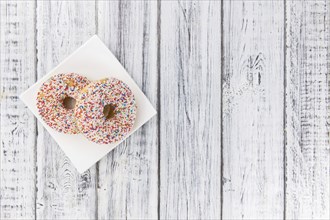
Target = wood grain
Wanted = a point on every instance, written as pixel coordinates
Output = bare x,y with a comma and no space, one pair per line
253,104
63,193
308,103
128,176
190,76
18,126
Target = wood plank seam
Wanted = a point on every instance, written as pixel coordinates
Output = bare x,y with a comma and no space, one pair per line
158,102
97,165
222,104
284,108
36,121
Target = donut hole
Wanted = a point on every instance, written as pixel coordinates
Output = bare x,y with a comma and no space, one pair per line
69,102
109,111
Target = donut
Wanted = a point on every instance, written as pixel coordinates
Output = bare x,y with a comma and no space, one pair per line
106,111
56,101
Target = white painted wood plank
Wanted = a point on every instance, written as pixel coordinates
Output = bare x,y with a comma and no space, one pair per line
62,26
308,103
18,126
128,176
190,102
253,105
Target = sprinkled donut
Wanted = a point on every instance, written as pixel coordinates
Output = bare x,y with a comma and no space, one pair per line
56,101
106,111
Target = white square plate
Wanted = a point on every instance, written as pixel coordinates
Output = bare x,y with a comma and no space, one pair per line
95,61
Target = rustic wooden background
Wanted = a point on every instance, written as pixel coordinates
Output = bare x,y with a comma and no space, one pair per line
242,94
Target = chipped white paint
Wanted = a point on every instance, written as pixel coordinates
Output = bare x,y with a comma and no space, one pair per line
18,126
62,192
190,73
308,103
128,176
253,103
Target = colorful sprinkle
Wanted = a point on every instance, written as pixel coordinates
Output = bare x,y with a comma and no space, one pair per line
50,101
91,114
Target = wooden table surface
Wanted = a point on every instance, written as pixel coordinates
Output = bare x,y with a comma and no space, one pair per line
242,94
